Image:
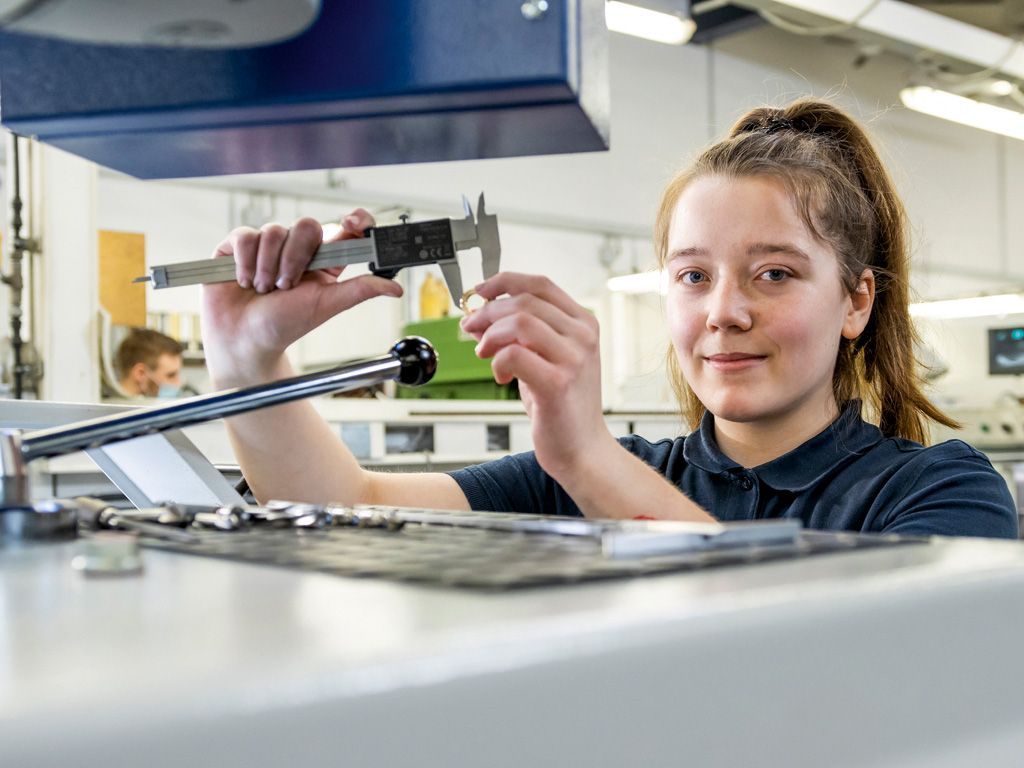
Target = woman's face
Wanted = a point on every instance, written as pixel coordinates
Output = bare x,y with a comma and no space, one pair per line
756,307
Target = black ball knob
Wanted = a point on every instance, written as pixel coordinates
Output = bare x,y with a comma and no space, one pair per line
418,358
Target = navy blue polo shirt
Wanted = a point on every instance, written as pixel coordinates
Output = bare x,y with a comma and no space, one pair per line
848,477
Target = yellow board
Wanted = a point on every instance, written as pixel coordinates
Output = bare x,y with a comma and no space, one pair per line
122,257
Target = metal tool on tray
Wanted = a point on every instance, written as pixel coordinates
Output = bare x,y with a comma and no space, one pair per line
386,249
182,522
618,539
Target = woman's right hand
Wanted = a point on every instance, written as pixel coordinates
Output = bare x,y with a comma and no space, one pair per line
247,324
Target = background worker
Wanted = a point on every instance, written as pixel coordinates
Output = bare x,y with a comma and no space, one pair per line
148,364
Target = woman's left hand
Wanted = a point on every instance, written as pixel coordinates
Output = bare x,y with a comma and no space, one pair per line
536,333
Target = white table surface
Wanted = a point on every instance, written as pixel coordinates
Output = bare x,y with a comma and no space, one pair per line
902,656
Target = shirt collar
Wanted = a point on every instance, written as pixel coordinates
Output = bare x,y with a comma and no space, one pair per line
797,470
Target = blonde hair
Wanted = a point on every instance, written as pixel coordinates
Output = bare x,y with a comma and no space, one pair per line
846,198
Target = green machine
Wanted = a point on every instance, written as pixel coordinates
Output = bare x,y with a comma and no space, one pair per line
461,375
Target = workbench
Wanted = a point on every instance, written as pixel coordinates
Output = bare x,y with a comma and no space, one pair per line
892,656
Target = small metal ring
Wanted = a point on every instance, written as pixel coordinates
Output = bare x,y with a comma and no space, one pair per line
464,302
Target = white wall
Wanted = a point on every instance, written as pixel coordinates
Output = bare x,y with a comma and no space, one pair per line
68,325
960,186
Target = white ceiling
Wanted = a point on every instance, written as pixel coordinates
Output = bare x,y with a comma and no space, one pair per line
1003,16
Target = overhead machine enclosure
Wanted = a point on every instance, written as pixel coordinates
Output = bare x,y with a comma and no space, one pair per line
390,81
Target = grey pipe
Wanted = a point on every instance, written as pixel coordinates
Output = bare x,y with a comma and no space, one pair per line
411,361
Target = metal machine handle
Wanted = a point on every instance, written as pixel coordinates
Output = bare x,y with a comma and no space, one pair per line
411,361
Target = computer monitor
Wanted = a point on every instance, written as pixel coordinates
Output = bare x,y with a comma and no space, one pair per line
1006,351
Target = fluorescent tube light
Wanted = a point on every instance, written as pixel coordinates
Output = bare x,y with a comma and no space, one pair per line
656,281
1001,87
641,282
975,306
960,109
660,27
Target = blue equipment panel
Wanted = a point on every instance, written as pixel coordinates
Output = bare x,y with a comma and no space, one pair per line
369,83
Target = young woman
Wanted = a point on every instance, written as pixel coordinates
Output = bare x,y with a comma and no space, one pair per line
787,251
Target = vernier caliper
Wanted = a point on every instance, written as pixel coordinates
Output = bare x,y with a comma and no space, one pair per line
386,249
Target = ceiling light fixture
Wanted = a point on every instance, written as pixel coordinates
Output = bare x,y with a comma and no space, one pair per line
1001,88
974,306
964,110
654,281
660,27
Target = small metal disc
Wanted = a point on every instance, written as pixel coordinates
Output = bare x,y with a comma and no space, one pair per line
109,553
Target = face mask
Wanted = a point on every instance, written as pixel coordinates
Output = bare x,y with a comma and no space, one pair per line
165,391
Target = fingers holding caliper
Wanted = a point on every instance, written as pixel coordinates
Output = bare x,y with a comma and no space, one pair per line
386,250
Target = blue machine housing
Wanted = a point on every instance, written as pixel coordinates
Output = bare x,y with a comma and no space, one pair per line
369,83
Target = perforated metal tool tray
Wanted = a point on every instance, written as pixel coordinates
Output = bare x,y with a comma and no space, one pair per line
485,559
